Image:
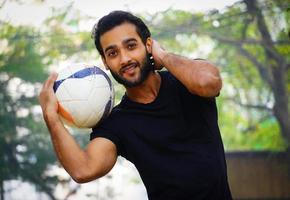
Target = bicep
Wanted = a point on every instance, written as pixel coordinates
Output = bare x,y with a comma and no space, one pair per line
101,155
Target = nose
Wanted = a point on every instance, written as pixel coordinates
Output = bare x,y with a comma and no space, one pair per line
125,58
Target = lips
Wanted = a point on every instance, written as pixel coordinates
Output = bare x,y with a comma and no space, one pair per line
128,68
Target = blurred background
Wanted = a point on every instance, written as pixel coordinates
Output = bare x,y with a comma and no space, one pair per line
248,40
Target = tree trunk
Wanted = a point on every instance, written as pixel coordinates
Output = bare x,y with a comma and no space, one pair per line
278,70
45,188
2,189
280,109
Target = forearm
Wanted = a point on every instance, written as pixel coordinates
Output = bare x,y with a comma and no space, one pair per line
83,165
199,76
68,151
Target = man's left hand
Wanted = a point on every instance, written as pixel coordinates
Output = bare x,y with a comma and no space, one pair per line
158,53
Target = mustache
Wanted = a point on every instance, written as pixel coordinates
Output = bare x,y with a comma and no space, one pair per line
127,66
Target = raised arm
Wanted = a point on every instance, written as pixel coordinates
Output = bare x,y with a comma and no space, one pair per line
83,165
198,76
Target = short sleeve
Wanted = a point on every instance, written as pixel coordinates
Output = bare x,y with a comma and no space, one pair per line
183,91
105,130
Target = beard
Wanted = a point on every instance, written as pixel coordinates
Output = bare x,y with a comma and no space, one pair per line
145,68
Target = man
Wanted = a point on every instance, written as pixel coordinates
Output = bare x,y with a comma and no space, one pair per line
166,123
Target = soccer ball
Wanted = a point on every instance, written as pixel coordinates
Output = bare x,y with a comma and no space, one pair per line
85,95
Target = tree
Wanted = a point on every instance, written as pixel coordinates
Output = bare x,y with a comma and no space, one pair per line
250,39
26,152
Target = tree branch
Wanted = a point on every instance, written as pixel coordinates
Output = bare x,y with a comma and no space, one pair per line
254,126
264,31
250,106
71,192
184,29
246,41
262,70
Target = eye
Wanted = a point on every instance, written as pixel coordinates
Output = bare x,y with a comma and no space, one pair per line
131,45
112,53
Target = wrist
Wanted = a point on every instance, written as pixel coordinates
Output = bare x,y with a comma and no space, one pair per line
163,57
168,60
50,116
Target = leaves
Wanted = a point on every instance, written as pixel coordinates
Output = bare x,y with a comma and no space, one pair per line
20,57
252,70
26,151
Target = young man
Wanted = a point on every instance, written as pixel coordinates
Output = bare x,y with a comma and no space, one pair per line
166,123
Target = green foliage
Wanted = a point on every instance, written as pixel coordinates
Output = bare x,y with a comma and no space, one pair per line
26,152
238,134
247,97
245,104
19,57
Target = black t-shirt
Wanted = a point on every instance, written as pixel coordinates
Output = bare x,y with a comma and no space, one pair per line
174,142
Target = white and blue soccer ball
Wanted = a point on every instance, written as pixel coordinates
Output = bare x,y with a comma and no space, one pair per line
85,95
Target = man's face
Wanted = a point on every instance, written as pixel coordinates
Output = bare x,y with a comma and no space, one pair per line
125,55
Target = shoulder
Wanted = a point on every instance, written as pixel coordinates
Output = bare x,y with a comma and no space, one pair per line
169,80
172,82
113,116
166,75
176,85
109,128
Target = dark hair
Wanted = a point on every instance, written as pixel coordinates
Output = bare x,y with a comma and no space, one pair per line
114,19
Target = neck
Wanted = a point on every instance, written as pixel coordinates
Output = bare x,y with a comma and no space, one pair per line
147,91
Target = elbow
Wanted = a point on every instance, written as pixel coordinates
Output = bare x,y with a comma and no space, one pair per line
208,87
206,82
80,178
84,176
212,87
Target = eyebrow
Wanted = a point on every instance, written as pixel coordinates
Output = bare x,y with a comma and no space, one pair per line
123,42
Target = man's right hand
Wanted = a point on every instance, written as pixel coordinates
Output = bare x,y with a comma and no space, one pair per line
95,161
47,98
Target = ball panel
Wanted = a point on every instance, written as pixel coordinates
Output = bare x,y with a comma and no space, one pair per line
62,93
86,95
67,122
81,111
63,74
92,120
68,106
99,98
65,114
76,67
103,104
78,110
95,117
107,110
78,89
98,80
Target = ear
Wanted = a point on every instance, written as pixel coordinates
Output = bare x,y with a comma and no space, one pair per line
105,63
149,43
